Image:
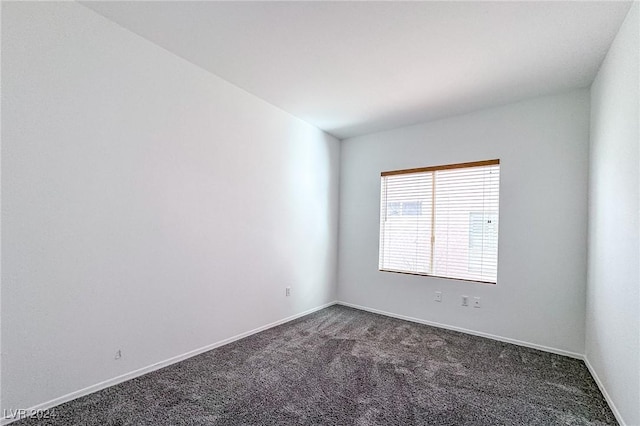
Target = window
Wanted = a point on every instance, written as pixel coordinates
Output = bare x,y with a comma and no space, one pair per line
441,221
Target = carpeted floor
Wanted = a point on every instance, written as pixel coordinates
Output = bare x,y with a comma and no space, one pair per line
342,366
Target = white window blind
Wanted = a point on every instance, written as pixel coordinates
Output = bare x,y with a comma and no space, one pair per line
441,221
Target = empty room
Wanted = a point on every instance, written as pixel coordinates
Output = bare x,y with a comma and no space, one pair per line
320,213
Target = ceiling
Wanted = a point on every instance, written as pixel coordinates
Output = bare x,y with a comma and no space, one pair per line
352,68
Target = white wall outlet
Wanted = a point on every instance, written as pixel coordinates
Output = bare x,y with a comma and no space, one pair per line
438,297
118,354
465,300
287,291
476,302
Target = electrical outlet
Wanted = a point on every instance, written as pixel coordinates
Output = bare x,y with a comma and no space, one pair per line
476,302
465,300
287,291
438,297
118,354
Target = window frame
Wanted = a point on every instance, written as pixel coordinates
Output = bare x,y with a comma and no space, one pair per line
434,169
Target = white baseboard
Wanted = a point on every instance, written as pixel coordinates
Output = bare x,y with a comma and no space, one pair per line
467,331
144,370
607,398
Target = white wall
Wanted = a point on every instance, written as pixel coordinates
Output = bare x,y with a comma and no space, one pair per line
148,206
543,148
613,294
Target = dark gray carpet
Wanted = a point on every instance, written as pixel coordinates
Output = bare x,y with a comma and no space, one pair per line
342,366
